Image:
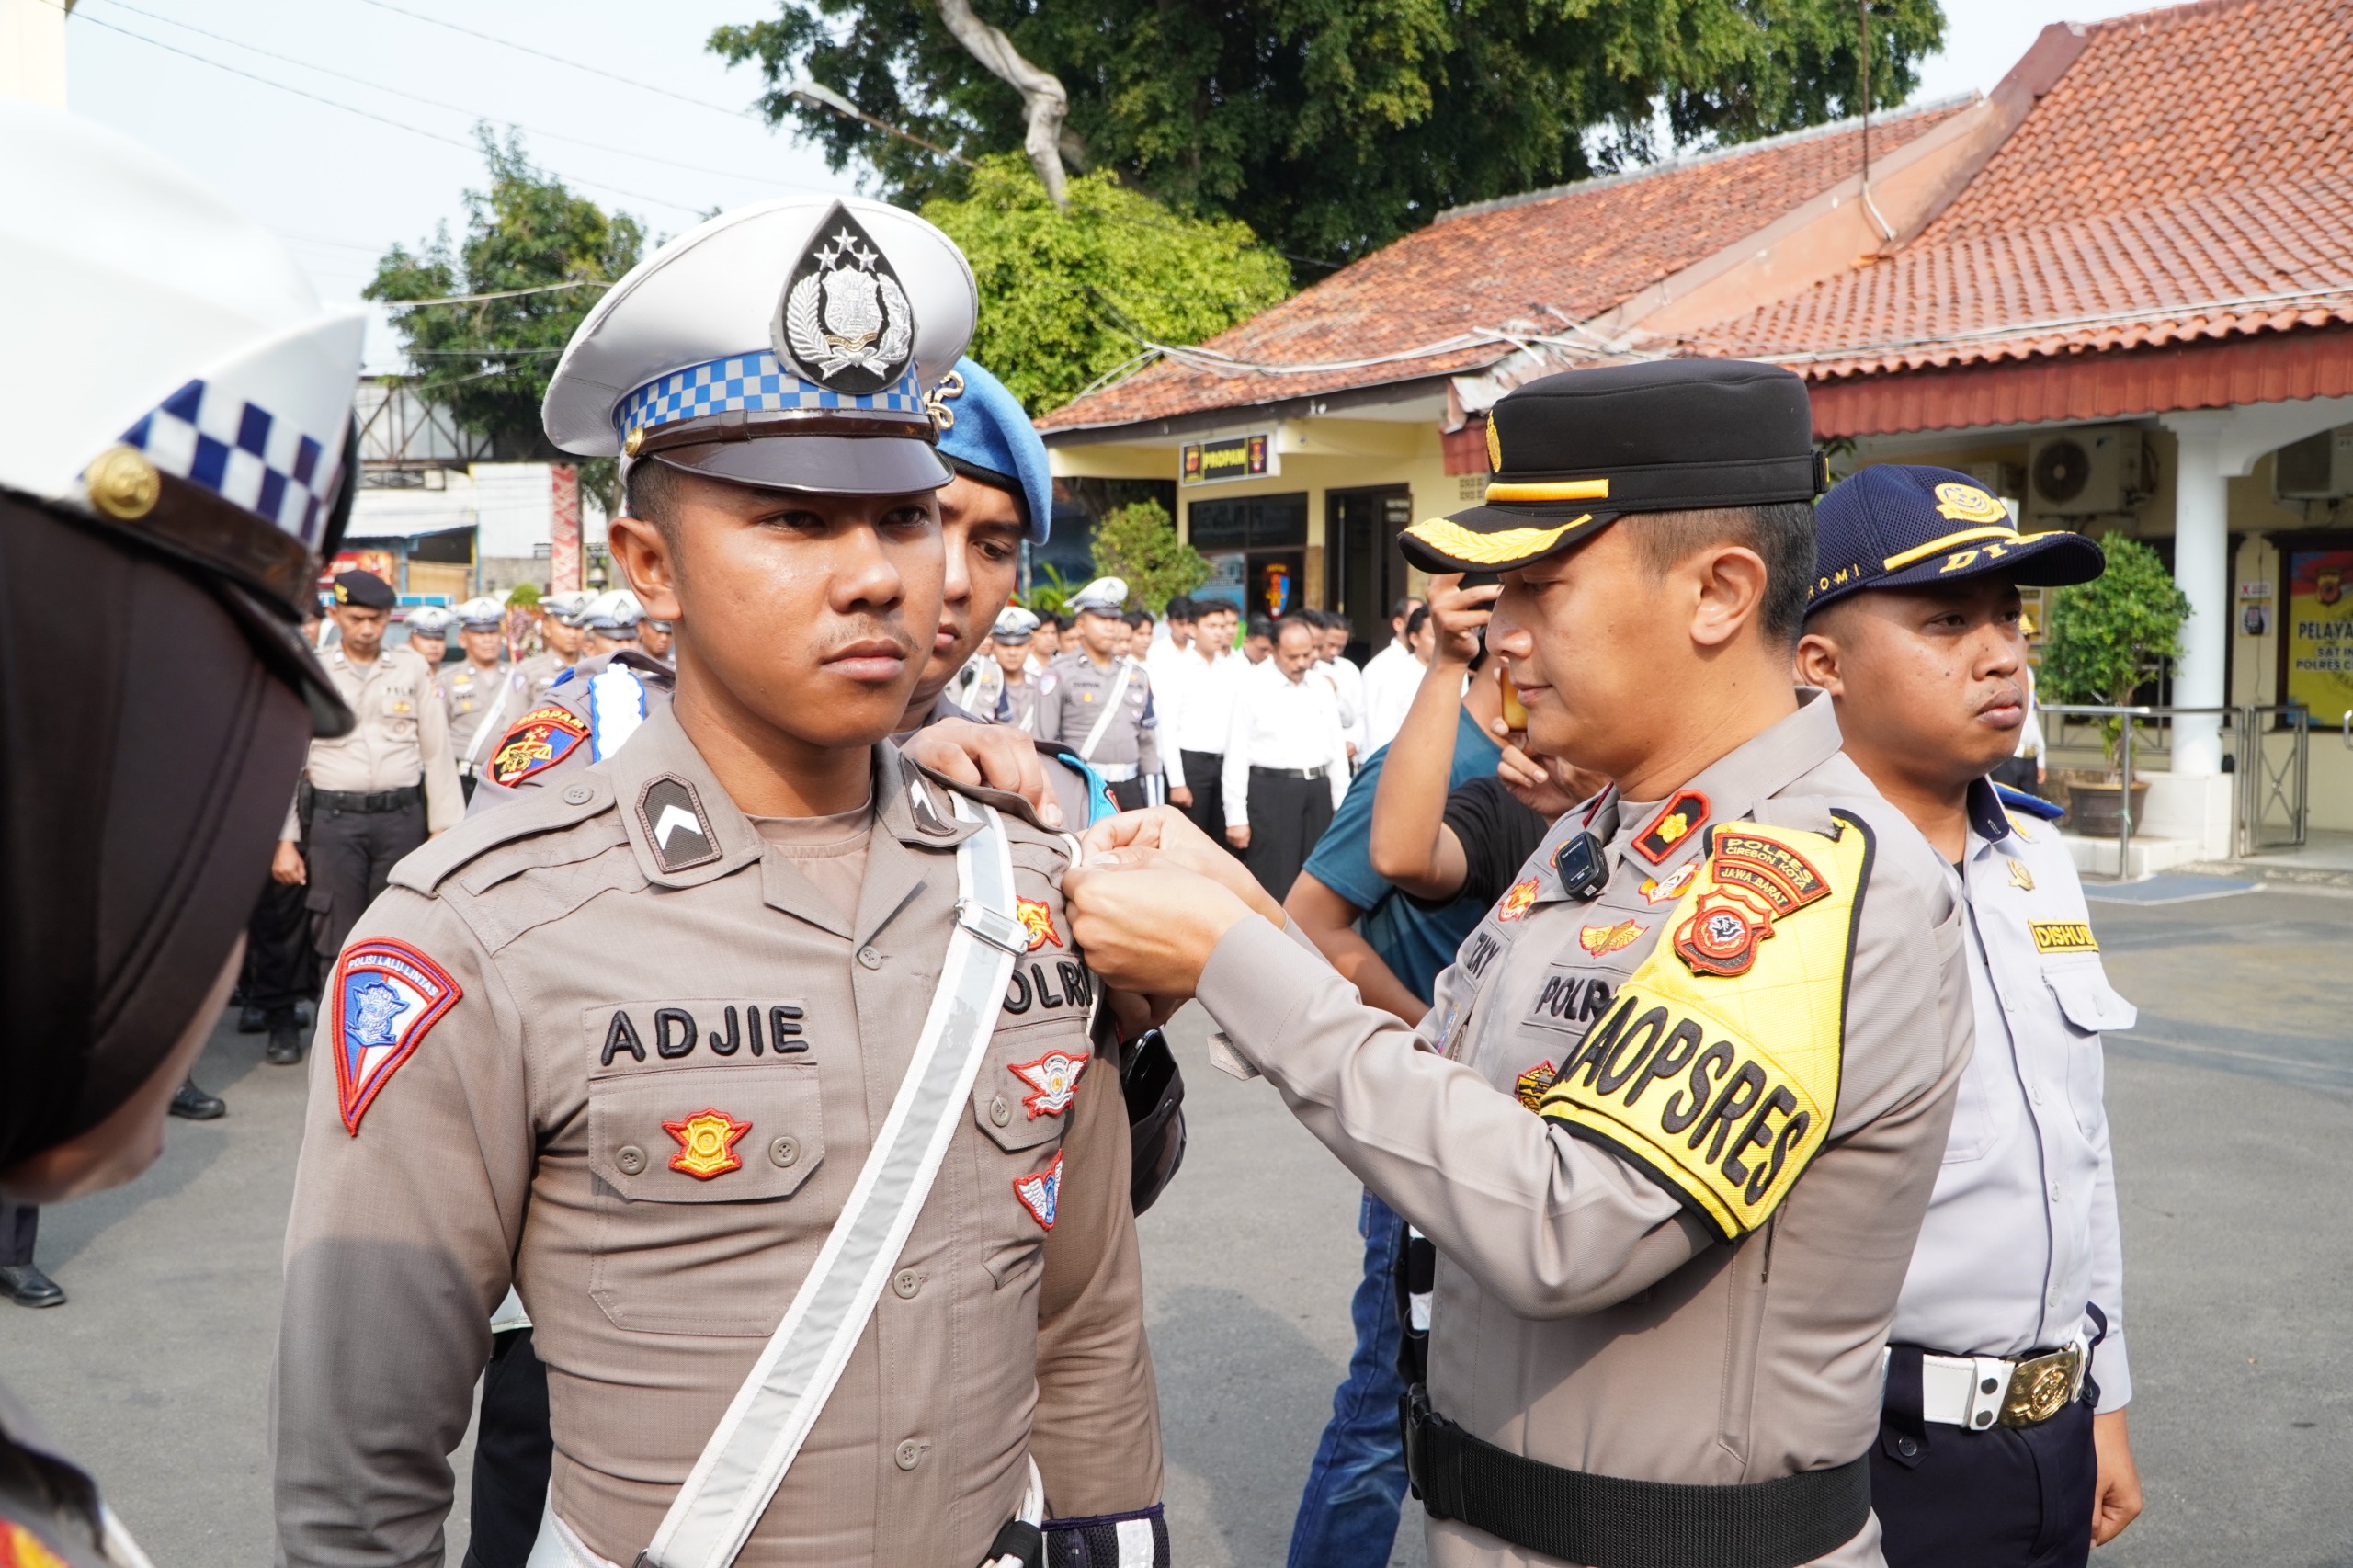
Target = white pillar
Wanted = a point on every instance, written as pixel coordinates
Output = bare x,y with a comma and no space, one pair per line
2201,570
33,50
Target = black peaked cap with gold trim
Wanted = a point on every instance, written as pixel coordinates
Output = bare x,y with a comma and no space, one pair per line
1574,452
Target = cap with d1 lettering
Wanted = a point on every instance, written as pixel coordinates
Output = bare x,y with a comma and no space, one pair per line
1573,453
985,435
785,346
1899,525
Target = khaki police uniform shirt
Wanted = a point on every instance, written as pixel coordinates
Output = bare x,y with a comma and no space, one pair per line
1071,698
473,696
1582,1315
402,738
523,1140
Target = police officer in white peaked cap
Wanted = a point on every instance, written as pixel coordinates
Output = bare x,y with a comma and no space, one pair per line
686,1093
1092,699
173,458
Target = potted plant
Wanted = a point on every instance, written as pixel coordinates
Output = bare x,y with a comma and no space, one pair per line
2104,638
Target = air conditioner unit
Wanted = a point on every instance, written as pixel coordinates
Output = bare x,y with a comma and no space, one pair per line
2318,468
2083,473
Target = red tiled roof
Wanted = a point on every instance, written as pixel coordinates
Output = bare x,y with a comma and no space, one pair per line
2190,177
1441,297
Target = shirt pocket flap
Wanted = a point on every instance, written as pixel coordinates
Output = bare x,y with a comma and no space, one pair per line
707,1134
1032,1078
2090,1002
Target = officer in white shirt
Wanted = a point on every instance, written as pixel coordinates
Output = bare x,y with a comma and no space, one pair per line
1286,758
1391,678
1333,665
1197,706
2002,1440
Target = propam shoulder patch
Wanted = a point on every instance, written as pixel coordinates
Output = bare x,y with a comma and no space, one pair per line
1722,1087
386,996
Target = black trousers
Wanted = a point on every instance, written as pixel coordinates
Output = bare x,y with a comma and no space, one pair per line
1205,777
20,1223
281,968
513,1454
1286,816
2004,1498
351,855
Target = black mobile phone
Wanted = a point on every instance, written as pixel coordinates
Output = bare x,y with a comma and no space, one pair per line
1481,579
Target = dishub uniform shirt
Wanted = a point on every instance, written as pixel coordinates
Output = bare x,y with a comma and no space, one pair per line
1586,1314
607,1044
2022,1231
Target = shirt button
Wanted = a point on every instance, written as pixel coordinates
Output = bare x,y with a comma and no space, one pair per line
784,1151
2054,1192
906,1282
579,794
871,958
1906,1447
909,1454
631,1158
1000,1112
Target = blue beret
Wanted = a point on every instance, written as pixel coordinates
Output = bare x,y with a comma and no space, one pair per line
985,435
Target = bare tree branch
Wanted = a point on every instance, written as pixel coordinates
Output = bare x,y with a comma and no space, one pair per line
1042,96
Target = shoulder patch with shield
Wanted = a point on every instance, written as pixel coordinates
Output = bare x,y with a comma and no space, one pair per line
385,996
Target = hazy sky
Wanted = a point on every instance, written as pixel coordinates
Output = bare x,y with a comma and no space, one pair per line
341,186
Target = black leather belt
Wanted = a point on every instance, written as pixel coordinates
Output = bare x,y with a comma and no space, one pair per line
354,804
1288,772
1607,1521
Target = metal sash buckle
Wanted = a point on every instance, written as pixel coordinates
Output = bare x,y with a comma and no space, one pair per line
2041,1388
994,927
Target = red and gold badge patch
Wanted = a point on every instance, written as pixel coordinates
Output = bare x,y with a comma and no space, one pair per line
537,741
707,1143
1757,880
1656,892
1517,900
1673,825
1039,920
1533,1083
1599,940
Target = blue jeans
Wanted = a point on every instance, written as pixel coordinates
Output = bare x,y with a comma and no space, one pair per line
1348,1515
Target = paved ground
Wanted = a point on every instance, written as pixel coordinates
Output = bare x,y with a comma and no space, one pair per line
2231,1103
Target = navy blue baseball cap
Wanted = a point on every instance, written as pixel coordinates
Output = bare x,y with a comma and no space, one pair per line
1898,526
985,435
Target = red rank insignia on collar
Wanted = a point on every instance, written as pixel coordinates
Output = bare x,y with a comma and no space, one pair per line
1687,810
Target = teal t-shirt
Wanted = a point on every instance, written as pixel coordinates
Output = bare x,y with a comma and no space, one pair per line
1416,940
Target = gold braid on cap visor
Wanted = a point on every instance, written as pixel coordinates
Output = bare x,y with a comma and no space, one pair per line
1451,539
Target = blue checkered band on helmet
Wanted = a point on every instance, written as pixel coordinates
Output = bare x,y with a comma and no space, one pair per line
756,383
244,454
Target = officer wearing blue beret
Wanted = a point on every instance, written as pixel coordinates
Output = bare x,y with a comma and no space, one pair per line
2002,1441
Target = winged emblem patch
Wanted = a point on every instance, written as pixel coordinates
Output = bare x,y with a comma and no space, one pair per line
844,322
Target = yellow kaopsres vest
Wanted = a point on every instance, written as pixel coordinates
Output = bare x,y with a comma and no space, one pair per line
1716,1070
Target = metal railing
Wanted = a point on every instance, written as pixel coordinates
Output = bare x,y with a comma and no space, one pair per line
2258,785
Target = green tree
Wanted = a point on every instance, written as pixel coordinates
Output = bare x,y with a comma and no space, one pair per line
1068,294
1329,126
1138,543
2107,636
488,362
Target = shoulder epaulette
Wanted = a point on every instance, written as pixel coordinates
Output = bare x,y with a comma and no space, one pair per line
2032,805
529,814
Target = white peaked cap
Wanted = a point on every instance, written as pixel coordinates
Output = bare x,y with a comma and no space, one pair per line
713,293
130,284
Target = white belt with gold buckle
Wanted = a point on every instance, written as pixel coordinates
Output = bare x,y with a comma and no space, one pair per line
1975,1391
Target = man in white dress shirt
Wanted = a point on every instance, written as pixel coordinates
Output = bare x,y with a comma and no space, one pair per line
1286,758
1196,708
1333,665
1391,678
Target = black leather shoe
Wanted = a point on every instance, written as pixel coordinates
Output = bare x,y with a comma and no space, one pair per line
284,1045
252,1019
195,1105
28,1287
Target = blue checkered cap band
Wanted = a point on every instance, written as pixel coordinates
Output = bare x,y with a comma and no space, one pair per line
244,454
756,383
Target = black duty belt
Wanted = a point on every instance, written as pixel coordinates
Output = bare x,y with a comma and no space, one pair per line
1288,772
354,804
1607,1521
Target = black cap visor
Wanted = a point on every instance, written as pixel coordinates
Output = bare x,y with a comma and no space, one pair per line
819,465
